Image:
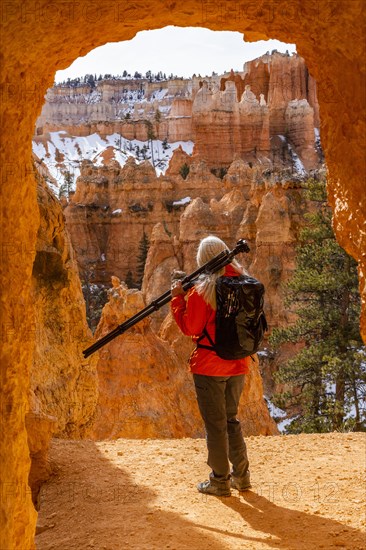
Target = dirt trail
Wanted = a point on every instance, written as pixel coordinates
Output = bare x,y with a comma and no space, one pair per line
308,493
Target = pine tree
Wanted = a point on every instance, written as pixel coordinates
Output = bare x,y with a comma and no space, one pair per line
129,280
90,81
150,137
157,116
184,170
66,187
327,377
141,259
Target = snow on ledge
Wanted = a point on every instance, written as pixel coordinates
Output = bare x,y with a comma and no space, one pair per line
182,202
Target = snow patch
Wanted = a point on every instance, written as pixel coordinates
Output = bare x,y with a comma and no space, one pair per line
75,149
297,163
278,415
159,94
284,423
182,202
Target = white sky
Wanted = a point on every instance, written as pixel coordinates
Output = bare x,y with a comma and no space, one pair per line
177,50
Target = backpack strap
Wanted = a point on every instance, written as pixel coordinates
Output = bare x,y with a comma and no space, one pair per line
205,334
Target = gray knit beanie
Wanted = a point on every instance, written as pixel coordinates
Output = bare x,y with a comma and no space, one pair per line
208,248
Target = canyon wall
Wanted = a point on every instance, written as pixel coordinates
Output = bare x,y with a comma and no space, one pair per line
274,96
63,385
228,115
67,31
120,106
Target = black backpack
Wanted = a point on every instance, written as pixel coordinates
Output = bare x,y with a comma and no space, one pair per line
240,320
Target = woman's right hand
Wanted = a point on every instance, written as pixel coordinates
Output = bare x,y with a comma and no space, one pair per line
177,289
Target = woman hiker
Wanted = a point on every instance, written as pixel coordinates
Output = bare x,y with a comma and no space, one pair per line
218,382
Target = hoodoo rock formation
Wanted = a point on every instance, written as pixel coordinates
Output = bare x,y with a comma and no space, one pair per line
66,31
113,207
143,390
275,96
144,386
224,127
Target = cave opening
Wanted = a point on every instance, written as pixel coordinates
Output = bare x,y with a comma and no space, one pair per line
94,129
330,55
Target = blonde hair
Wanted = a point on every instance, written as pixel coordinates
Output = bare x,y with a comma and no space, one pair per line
208,248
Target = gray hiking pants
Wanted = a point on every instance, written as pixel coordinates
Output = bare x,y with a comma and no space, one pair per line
218,400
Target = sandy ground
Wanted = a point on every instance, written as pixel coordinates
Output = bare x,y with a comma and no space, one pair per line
308,493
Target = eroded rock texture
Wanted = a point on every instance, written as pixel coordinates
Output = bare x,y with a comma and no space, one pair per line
275,96
40,38
114,206
63,385
145,389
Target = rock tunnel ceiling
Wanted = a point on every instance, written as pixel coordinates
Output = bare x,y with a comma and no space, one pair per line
41,37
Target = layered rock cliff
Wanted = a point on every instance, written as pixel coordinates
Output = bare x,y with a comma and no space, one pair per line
274,96
241,114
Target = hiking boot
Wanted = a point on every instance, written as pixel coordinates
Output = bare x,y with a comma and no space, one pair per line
208,488
240,484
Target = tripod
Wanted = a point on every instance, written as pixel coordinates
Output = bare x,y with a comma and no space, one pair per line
217,263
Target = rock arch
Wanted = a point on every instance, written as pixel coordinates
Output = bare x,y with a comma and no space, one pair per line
44,36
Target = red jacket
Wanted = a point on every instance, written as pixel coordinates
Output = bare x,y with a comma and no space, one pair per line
192,315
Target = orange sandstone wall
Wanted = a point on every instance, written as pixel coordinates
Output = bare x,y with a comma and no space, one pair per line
42,37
